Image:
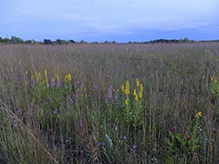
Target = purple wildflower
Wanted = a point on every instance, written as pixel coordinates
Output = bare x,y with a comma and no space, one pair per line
109,94
116,96
82,85
106,101
100,143
134,146
95,87
111,87
71,100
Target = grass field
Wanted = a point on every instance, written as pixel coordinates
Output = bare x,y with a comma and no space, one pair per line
109,103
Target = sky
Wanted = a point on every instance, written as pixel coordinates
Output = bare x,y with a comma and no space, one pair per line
111,20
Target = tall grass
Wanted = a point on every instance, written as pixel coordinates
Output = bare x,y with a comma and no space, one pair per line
109,103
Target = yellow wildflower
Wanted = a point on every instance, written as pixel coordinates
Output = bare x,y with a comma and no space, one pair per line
116,128
26,72
199,114
46,76
56,77
32,77
39,75
127,88
42,82
136,97
137,83
117,90
126,102
140,94
215,81
141,89
85,89
67,77
203,77
134,92
122,88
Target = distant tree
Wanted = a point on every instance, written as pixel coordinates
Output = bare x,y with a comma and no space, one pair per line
113,41
82,41
47,41
72,41
58,41
106,42
28,41
16,40
1,40
186,40
6,40
38,42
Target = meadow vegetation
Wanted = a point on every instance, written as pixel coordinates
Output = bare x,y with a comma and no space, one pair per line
109,103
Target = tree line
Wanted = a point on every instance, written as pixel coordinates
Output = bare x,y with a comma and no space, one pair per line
17,40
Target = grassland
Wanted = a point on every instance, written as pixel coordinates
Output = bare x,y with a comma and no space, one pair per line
109,103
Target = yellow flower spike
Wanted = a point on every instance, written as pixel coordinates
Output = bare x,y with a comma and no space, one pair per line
32,77
137,83
56,77
39,76
141,89
117,90
43,82
46,76
140,95
122,88
84,89
116,128
114,90
126,102
127,88
136,98
215,81
67,77
134,92
203,77
26,72
199,114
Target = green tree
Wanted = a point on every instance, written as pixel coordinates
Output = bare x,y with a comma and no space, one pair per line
186,40
1,40
16,40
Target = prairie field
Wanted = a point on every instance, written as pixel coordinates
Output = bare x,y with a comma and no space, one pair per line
109,103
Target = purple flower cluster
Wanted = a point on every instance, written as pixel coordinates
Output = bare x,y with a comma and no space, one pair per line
100,143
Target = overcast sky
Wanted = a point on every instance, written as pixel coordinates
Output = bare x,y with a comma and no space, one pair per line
112,20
